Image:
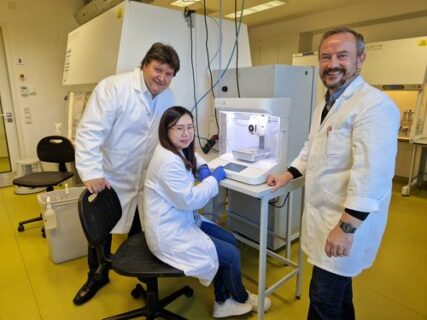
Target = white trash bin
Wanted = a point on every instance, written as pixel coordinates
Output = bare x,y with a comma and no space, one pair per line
67,241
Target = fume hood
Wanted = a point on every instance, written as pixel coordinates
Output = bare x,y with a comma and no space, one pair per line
117,40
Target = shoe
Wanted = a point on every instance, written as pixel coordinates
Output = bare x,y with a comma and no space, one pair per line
253,301
230,308
88,290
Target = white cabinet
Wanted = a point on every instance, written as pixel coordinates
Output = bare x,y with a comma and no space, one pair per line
403,159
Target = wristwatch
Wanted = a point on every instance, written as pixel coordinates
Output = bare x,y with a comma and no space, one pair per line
347,227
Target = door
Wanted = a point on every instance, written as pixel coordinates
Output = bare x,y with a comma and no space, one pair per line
9,147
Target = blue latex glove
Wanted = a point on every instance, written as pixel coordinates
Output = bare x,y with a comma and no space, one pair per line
219,173
203,172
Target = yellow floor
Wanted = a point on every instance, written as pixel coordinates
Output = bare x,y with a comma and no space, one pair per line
4,164
32,287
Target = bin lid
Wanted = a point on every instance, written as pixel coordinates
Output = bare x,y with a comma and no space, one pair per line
61,196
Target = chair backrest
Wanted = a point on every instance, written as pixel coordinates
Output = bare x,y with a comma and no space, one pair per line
99,213
56,149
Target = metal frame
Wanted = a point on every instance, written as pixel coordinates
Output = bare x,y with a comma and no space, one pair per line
265,194
419,177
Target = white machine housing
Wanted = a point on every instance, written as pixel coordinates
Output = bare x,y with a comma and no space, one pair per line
298,84
244,124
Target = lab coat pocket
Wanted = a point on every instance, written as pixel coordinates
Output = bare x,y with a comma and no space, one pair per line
115,162
338,147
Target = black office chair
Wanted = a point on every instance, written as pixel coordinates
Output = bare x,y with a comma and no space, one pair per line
53,149
98,215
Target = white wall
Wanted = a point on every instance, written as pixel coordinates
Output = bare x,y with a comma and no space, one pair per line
36,32
377,20
392,30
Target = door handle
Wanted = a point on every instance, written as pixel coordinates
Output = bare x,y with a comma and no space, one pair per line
7,116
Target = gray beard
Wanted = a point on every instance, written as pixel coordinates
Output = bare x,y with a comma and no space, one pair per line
340,83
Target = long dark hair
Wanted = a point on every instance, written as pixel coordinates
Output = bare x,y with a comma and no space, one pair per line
169,118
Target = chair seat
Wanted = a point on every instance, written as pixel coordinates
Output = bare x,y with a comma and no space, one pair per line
42,179
134,259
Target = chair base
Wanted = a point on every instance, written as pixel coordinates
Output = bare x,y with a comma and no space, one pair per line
21,227
154,307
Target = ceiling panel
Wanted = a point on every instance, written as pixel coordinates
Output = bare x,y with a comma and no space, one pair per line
291,10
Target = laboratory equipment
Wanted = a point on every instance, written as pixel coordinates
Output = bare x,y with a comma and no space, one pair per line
418,139
122,35
77,101
419,125
406,123
253,137
298,85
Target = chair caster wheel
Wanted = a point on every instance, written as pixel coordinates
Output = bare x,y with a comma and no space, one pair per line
21,228
189,292
138,292
298,297
135,294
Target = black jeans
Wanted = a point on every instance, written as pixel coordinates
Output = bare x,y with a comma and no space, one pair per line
331,296
92,258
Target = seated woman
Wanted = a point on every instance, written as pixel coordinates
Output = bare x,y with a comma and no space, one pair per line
175,233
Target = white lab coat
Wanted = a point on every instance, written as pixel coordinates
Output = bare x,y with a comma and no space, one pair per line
348,162
117,136
170,228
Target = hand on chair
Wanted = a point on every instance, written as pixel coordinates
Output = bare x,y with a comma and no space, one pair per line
96,185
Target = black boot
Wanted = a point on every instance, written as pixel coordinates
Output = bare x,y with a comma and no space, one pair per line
89,289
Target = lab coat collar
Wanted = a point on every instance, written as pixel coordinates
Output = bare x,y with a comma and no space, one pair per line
139,83
348,92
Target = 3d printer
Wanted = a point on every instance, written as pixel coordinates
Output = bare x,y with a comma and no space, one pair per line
253,137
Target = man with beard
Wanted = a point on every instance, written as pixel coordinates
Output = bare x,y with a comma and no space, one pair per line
348,164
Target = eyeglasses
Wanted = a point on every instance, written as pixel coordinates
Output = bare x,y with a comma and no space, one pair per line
180,129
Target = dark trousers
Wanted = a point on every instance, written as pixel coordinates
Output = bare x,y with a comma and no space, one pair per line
228,279
92,258
331,296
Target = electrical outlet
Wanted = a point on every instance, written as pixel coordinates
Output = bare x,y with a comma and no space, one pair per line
24,90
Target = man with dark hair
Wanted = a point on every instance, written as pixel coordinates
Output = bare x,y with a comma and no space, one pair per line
116,138
163,53
348,164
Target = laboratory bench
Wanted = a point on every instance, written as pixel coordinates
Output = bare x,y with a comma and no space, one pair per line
417,165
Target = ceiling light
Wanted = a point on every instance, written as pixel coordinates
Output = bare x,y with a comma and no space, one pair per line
261,7
183,3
